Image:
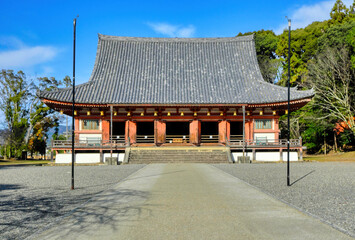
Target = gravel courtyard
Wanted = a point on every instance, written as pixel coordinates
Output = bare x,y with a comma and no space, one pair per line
33,197
324,190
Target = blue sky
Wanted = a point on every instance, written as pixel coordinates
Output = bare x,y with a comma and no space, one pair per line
36,36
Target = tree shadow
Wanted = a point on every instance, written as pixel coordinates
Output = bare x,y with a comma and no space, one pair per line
10,187
110,210
22,216
299,179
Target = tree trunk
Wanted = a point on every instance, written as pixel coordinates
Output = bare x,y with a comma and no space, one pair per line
325,146
335,142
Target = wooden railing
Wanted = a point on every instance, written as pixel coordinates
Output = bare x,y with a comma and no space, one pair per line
117,137
121,142
236,137
177,139
89,143
209,139
264,142
145,139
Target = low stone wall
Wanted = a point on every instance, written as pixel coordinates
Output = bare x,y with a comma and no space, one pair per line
85,157
264,156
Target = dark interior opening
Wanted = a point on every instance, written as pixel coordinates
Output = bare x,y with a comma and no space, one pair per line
178,128
145,128
236,129
118,128
209,128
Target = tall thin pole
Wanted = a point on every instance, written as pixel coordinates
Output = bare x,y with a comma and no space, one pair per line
111,109
243,131
288,102
73,109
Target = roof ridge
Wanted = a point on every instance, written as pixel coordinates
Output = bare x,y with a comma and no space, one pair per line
152,39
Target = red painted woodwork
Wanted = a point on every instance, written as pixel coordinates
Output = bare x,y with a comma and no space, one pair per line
277,129
223,131
159,132
247,129
105,129
76,124
195,132
131,131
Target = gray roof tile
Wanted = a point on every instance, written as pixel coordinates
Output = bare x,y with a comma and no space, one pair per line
131,70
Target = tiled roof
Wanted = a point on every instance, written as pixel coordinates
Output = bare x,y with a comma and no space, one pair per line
131,70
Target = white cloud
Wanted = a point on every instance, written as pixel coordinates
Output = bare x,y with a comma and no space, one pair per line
306,14
21,56
11,42
173,30
25,57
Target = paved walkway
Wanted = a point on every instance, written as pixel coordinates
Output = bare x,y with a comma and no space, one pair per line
187,201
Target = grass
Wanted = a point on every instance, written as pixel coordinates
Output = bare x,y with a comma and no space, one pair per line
333,157
16,162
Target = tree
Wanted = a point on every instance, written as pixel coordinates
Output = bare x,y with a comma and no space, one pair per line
41,117
28,119
14,92
339,12
333,79
303,48
265,46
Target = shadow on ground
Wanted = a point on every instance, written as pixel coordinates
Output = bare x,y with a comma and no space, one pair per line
107,210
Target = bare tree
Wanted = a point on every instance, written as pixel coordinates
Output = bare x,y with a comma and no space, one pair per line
332,78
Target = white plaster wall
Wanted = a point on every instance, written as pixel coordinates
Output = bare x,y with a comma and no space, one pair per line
63,158
120,156
236,154
269,136
87,157
267,156
293,156
275,156
88,135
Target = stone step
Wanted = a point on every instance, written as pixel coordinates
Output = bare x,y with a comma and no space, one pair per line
187,155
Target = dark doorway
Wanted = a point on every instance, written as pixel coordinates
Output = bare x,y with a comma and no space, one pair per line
177,132
236,130
145,132
145,128
209,132
209,128
178,128
118,128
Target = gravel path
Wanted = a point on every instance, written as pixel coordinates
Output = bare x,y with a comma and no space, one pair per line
324,190
32,198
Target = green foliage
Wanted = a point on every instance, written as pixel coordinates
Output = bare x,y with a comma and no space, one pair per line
28,119
339,12
13,101
303,48
338,36
347,138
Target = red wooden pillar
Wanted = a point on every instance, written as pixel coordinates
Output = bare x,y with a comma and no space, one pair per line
276,128
223,131
249,132
159,132
131,131
105,130
76,124
195,132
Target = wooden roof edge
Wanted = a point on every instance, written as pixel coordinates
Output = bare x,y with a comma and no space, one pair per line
293,102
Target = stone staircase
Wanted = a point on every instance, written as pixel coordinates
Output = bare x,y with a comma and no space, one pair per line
144,155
